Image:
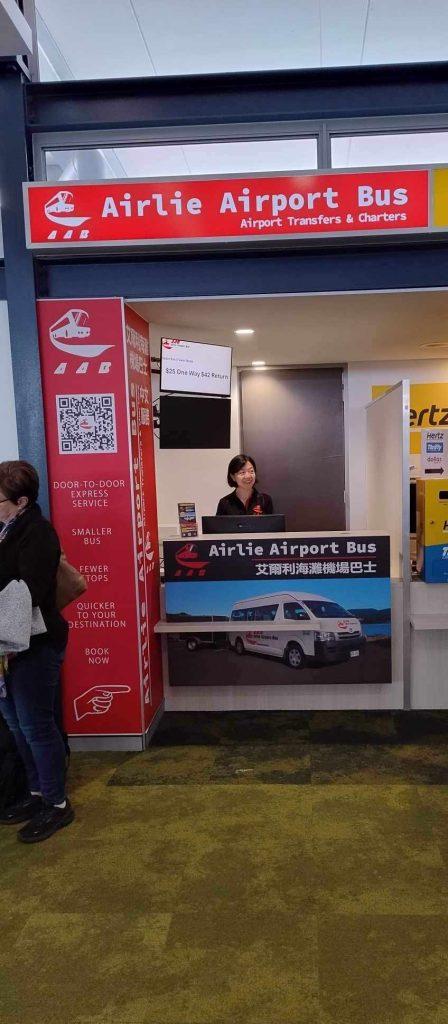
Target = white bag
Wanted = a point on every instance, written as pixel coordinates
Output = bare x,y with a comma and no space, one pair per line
19,621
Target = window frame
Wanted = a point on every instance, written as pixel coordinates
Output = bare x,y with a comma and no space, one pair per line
408,125
322,130
172,136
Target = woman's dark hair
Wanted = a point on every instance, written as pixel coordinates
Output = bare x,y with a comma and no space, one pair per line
236,464
19,480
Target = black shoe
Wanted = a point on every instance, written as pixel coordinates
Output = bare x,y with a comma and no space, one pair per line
24,810
49,820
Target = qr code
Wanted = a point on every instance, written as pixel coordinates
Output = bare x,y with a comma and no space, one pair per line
86,424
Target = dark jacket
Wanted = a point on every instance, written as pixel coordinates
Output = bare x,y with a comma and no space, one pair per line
31,552
231,505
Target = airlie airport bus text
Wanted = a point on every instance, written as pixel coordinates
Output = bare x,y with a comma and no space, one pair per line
270,203
247,549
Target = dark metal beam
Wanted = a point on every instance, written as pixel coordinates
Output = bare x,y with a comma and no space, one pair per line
19,279
393,267
379,91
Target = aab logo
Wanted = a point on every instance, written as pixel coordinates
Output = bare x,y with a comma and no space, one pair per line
169,343
71,334
343,624
187,559
61,210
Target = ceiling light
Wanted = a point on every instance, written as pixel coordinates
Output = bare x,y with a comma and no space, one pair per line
244,330
435,344
258,362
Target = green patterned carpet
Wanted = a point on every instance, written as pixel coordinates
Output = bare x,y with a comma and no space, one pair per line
251,868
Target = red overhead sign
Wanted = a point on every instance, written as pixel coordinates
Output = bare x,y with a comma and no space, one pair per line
150,212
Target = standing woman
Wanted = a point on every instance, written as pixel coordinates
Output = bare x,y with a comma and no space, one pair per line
245,500
30,551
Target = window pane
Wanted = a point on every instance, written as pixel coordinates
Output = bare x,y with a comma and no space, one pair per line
267,155
292,610
390,150
266,613
327,609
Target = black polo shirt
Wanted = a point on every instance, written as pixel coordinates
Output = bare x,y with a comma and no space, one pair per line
231,505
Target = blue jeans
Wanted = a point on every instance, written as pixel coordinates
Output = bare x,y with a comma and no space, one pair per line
30,709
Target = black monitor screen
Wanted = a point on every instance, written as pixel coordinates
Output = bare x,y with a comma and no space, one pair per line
194,422
244,524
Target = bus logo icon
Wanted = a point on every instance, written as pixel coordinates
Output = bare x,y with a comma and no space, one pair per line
61,210
189,561
73,327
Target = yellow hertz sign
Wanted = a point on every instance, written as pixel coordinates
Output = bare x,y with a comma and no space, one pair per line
440,198
429,405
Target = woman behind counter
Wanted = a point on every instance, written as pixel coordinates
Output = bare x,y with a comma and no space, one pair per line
245,500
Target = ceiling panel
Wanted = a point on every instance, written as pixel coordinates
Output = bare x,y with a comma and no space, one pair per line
313,329
212,35
123,38
98,38
343,26
406,30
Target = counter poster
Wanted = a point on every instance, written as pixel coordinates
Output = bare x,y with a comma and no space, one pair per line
96,486
320,608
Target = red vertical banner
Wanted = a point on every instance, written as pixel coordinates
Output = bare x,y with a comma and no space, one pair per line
145,508
88,429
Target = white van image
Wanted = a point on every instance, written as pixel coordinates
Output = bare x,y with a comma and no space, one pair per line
321,629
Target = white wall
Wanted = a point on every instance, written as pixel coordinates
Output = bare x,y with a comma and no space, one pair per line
8,431
359,379
197,474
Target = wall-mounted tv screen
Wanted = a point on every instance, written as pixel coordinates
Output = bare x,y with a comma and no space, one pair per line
187,422
195,368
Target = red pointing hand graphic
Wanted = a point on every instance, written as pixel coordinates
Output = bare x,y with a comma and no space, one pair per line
97,700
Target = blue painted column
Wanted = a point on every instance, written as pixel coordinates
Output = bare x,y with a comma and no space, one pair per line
19,276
